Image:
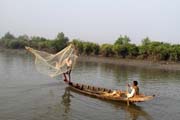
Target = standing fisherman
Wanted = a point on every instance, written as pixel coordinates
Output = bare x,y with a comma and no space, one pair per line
68,62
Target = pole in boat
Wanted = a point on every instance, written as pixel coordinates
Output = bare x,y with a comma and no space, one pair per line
128,102
127,98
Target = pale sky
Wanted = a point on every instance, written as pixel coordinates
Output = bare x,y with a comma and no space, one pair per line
100,21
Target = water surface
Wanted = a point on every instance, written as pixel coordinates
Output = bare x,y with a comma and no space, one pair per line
26,94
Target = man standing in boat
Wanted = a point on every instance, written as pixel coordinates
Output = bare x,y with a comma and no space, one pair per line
134,90
68,62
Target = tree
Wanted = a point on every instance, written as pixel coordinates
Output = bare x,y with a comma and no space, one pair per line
122,40
117,49
17,44
87,49
96,48
8,36
162,52
78,45
60,42
144,48
23,37
152,47
124,51
175,53
106,50
36,38
133,50
146,41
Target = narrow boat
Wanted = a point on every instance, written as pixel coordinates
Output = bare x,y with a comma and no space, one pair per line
108,94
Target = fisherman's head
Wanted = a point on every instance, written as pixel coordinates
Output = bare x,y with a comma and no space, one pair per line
135,83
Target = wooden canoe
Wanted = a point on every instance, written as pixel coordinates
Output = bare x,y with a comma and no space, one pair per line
106,94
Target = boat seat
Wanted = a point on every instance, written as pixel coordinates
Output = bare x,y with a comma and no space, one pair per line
85,86
95,89
77,85
109,91
82,87
70,83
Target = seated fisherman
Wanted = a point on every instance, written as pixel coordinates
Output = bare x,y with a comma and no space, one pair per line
134,90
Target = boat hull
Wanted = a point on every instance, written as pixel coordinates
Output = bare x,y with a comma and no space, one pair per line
106,94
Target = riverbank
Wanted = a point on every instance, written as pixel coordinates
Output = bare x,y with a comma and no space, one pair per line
163,65
14,51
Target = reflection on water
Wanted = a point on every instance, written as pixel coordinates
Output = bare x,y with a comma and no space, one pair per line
136,112
66,100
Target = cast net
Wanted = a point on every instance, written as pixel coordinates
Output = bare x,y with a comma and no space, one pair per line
54,64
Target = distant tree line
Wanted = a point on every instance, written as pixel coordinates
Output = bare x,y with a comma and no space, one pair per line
40,43
122,47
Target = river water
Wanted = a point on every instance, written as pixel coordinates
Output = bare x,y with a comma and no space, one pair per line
26,94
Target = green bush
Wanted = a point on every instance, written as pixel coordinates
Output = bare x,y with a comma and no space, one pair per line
17,44
78,45
106,50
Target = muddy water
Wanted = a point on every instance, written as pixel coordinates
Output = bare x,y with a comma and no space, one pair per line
26,94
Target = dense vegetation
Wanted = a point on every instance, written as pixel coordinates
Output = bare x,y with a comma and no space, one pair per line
40,43
122,47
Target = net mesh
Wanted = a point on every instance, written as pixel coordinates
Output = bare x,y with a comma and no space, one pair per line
54,64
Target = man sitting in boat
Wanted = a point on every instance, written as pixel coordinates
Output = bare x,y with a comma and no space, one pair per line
68,62
134,90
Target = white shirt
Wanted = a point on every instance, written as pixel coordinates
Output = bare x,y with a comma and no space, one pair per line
129,95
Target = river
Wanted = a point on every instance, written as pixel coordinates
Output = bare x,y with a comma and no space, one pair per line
26,94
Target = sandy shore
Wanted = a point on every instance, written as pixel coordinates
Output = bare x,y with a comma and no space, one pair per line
164,65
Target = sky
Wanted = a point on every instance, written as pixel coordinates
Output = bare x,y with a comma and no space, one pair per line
100,21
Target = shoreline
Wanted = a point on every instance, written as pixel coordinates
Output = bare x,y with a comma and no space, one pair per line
14,51
161,65
147,64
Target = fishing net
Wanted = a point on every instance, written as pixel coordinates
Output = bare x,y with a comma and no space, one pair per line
54,64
